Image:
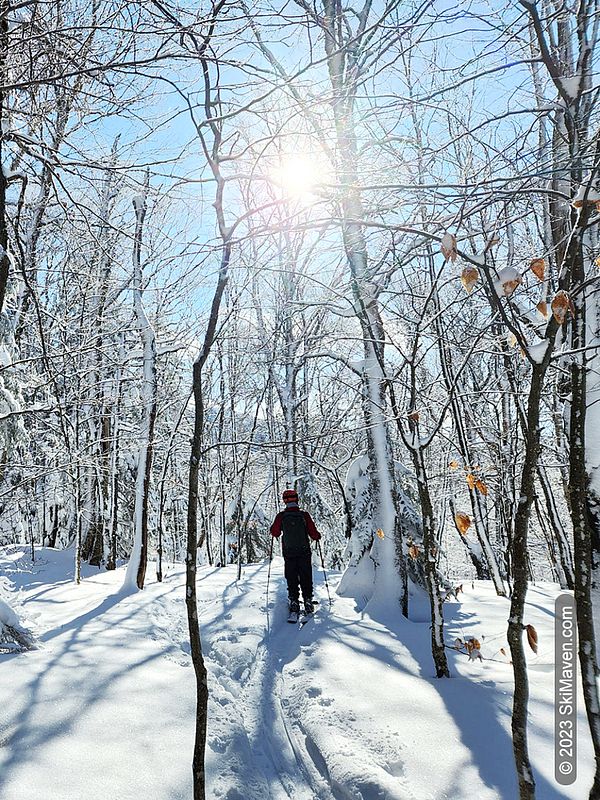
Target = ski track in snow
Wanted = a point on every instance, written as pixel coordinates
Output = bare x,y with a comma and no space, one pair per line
255,660
344,708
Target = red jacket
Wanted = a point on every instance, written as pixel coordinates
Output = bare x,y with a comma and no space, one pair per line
310,525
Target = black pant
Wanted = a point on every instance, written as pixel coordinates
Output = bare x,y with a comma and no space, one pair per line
298,570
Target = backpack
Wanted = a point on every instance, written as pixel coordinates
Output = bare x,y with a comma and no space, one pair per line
294,533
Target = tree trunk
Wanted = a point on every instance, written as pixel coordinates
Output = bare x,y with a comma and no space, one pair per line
110,545
388,553
438,648
136,569
198,771
578,502
520,560
560,535
482,556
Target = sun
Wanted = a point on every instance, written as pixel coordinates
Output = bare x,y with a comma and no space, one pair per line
297,176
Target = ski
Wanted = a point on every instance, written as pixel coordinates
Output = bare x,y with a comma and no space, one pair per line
300,618
304,617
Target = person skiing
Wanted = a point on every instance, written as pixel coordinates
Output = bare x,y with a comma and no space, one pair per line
295,527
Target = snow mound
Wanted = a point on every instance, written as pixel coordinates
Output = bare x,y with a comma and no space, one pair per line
14,636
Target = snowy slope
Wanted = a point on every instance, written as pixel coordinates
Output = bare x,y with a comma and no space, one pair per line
346,707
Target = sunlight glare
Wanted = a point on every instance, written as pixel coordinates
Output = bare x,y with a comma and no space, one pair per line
296,175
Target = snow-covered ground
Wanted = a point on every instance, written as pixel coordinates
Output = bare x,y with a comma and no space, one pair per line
346,707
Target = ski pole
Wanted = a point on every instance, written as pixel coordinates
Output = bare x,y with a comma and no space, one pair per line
268,579
324,573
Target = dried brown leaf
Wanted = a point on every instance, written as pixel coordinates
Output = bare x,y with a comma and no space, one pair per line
510,284
538,267
463,522
448,246
532,637
481,487
560,305
469,277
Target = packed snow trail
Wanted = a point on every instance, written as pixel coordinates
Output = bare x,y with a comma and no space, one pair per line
243,659
345,708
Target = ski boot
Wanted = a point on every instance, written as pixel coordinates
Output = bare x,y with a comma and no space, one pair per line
294,612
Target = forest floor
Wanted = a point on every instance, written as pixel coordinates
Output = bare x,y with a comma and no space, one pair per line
345,708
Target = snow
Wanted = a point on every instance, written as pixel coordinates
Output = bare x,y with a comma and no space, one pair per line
5,359
346,708
9,174
342,311
448,246
357,477
571,85
508,279
8,616
538,351
14,637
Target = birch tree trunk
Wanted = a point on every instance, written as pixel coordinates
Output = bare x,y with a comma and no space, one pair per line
136,569
110,542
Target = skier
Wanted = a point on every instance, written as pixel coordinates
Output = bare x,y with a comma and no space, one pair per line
296,526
